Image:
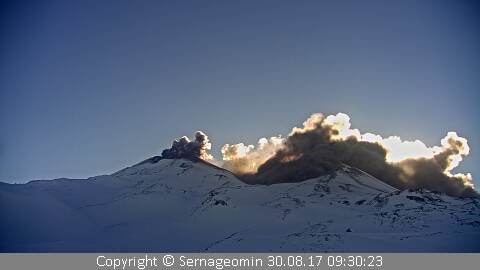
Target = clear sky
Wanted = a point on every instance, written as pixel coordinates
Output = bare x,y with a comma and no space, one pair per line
89,87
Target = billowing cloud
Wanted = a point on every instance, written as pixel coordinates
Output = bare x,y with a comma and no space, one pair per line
323,144
184,148
241,158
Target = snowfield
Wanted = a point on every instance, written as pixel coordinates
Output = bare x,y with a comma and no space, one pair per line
178,205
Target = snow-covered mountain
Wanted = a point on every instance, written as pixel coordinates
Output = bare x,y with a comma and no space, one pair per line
179,205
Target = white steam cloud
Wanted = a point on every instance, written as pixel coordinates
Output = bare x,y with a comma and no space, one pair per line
241,158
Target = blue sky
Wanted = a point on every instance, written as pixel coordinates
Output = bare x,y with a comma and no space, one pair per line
89,87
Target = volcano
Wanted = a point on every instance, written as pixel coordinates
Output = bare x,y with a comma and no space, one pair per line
188,205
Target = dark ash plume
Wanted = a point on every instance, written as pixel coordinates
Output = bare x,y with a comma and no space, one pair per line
322,147
184,148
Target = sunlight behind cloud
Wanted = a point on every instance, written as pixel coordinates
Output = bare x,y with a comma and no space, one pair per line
408,157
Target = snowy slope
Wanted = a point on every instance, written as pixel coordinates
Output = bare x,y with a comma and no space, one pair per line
185,206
